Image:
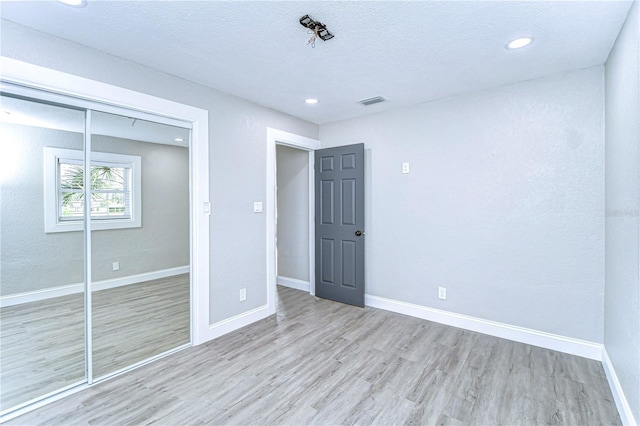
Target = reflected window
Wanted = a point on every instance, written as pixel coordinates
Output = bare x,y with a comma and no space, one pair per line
115,190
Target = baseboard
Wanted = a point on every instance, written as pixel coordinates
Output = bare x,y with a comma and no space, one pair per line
231,324
293,283
34,296
542,339
626,416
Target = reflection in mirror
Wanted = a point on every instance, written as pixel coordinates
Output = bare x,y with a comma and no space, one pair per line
42,338
138,200
140,255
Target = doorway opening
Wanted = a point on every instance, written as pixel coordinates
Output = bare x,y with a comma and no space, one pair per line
292,218
290,149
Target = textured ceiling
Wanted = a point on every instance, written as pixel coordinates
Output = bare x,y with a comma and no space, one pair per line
407,51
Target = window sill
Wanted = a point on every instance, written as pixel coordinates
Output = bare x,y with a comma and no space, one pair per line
96,225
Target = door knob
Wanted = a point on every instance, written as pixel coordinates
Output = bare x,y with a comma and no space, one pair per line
359,233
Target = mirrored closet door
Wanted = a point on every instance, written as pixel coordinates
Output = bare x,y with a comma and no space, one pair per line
83,300
42,285
140,240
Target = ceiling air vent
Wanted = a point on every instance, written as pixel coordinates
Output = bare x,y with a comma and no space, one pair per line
371,101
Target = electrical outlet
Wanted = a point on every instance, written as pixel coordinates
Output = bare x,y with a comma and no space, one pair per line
442,293
257,207
405,168
116,266
243,294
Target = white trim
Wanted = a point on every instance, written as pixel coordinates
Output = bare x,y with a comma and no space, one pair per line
95,95
542,339
49,293
279,137
231,324
626,415
312,224
200,217
34,296
292,283
88,275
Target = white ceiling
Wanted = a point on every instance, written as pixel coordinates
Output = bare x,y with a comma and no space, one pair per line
407,51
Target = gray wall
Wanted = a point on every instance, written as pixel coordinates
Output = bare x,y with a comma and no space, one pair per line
30,259
292,167
33,260
503,205
622,288
237,134
163,240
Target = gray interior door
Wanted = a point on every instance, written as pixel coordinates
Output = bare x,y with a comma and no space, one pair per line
339,188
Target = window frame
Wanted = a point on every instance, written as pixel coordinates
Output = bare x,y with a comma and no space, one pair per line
53,222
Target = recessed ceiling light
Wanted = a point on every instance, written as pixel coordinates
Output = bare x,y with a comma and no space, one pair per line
519,42
179,140
311,101
74,3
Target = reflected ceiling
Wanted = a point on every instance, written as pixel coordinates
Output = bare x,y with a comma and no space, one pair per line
18,111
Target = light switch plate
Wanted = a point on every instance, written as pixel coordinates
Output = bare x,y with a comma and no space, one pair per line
257,207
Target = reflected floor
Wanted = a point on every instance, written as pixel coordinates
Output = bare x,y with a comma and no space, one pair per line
42,343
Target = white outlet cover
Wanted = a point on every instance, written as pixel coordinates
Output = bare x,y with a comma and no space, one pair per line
405,168
442,293
257,207
116,266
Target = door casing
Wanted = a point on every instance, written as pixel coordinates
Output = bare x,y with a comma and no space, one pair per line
279,137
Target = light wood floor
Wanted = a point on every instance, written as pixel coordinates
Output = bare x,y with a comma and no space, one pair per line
320,362
42,343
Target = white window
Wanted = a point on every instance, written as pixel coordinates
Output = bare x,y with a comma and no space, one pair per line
115,190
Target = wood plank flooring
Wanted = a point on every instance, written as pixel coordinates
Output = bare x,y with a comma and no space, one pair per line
42,344
320,362
135,322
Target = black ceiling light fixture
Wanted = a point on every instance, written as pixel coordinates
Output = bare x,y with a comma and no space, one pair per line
317,29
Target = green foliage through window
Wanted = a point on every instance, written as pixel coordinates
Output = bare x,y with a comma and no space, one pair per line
109,191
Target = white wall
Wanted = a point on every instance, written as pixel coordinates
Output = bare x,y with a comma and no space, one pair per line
292,167
503,205
622,288
238,132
